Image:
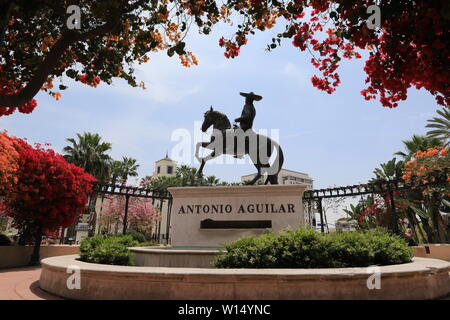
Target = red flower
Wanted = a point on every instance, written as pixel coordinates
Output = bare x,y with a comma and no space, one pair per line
51,192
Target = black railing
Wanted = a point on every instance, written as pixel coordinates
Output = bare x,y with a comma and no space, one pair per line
379,187
310,196
121,190
161,199
356,190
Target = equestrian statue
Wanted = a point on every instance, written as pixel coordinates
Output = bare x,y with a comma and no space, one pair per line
241,140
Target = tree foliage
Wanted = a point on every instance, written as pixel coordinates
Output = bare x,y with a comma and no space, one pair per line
440,126
141,214
9,165
50,193
89,152
185,176
391,170
418,143
128,168
409,49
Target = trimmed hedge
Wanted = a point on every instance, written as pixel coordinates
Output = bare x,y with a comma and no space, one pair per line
137,236
108,249
5,240
305,248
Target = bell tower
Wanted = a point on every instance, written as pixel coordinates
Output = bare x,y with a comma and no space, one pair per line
164,167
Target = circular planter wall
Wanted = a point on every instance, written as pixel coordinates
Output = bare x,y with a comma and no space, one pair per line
421,279
433,250
172,257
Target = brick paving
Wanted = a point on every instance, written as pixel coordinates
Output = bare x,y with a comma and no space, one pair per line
22,284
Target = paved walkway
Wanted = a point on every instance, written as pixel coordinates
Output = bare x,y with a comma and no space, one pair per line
22,284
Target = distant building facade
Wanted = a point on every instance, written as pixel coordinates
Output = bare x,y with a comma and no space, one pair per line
286,177
165,167
345,224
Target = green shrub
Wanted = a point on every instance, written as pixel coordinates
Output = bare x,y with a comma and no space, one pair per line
137,236
309,249
5,240
109,249
148,244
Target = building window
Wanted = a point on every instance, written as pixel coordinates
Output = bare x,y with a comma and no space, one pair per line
158,169
169,169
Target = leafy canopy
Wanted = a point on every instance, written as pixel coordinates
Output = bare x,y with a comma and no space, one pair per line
409,48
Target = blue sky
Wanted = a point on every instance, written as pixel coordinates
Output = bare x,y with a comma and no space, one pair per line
338,139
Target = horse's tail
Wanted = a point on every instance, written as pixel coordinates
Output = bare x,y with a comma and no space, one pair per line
275,168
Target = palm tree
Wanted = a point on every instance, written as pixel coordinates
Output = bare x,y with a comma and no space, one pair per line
89,153
184,176
211,181
128,168
392,170
115,171
188,176
418,143
164,182
441,126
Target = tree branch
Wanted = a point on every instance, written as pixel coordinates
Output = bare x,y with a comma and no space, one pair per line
5,8
51,61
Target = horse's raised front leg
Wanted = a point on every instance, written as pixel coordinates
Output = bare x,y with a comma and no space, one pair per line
212,155
197,149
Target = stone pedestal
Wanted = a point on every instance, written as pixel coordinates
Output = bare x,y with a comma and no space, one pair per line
211,216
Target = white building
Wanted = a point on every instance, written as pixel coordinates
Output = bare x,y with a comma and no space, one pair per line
346,224
286,177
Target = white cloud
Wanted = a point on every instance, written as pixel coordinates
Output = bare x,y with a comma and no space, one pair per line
166,93
292,70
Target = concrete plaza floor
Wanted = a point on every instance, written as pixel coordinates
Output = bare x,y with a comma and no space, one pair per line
22,284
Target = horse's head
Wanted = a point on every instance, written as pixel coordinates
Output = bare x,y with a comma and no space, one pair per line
210,118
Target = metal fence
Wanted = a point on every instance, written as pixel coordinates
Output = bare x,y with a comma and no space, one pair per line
161,200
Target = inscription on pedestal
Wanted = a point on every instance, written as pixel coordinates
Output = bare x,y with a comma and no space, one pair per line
211,216
250,208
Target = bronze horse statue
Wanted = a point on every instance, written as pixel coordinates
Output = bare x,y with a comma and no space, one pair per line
237,142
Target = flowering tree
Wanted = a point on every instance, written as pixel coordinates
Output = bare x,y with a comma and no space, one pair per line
430,168
141,214
50,193
429,171
408,46
8,165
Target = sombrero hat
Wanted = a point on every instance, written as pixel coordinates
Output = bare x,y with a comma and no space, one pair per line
251,95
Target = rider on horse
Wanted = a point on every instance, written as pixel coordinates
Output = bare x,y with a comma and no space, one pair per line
225,140
248,113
